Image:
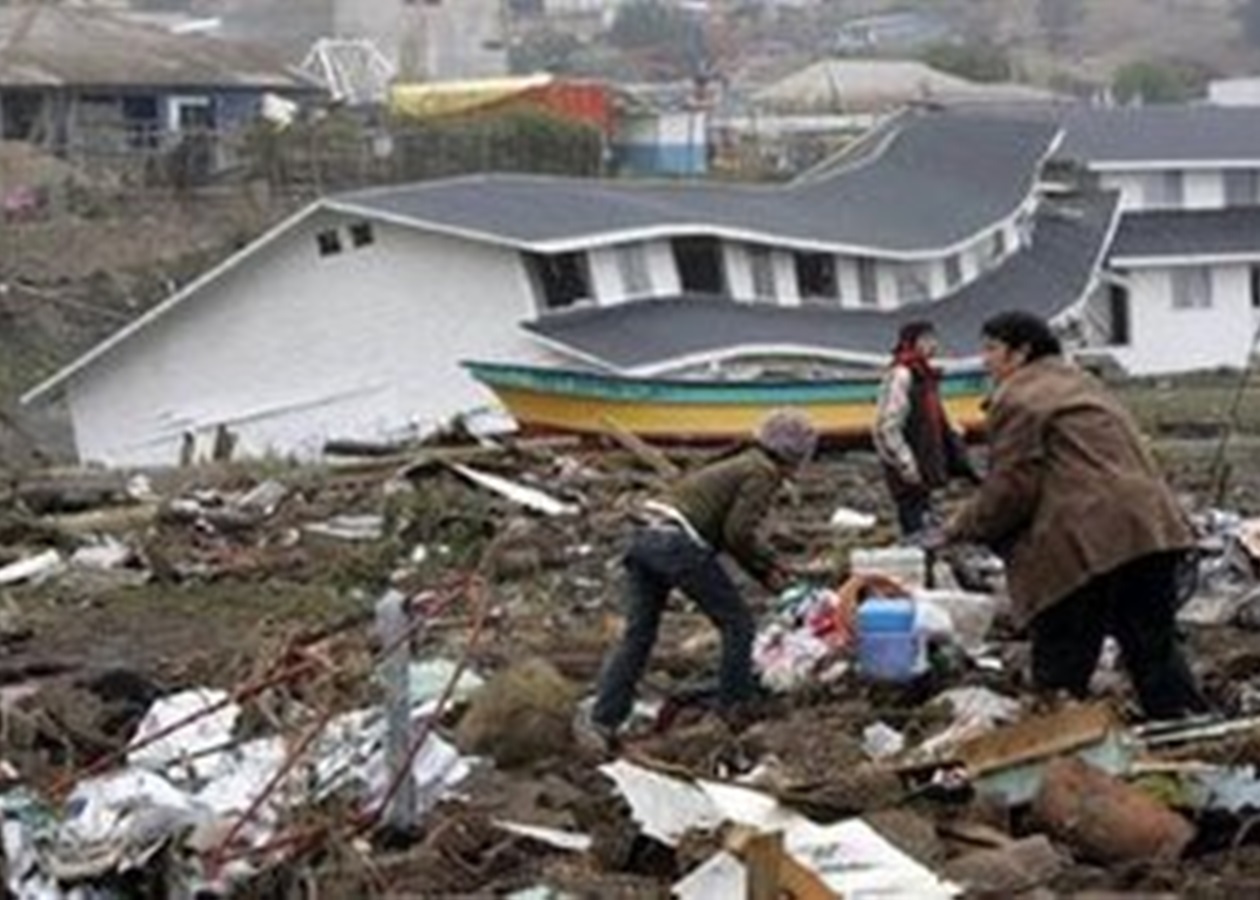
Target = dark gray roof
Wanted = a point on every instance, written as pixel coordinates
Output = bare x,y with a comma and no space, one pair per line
1046,279
939,181
1161,134
1200,232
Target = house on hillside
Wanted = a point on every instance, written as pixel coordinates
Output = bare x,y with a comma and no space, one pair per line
351,319
798,118
871,87
1184,268
85,82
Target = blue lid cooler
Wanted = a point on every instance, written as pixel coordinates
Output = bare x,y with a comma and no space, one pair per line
890,647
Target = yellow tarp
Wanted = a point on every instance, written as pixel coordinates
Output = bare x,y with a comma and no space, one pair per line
444,98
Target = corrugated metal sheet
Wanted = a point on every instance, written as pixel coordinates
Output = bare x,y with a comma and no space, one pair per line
52,46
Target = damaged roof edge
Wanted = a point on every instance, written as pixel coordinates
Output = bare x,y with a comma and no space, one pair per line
653,336
665,231
53,384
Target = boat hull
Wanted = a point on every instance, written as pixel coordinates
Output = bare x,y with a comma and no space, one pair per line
557,400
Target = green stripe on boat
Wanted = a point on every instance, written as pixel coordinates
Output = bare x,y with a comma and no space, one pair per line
570,383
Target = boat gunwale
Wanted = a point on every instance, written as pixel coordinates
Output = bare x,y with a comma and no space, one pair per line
613,388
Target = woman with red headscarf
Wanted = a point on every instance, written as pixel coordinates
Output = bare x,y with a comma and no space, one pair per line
916,442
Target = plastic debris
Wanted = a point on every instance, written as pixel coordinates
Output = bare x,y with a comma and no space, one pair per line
881,741
846,519
194,782
104,556
428,679
530,498
193,745
265,498
851,858
349,528
33,569
552,837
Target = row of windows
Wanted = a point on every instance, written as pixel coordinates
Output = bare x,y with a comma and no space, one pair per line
1167,190
1192,287
330,241
564,279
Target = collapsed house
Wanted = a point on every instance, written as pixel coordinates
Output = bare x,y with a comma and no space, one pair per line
352,317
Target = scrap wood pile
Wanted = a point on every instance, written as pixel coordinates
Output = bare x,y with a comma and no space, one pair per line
362,680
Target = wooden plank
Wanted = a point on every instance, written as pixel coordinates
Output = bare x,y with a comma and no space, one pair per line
640,449
773,873
1040,738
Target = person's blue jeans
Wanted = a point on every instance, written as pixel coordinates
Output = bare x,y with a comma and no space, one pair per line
659,560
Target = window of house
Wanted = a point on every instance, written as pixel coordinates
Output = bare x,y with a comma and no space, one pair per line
632,263
362,234
761,267
868,282
1118,316
914,283
1192,287
1242,187
992,250
699,262
953,271
560,279
816,277
1164,190
329,242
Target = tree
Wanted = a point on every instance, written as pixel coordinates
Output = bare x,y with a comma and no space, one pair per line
977,60
1159,81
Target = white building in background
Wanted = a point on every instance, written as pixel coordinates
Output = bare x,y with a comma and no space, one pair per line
1184,266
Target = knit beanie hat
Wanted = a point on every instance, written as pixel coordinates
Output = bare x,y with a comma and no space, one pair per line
788,436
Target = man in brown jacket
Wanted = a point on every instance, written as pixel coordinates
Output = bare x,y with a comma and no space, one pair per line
717,509
1091,534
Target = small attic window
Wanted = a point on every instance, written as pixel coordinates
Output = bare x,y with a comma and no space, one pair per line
329,242
362,235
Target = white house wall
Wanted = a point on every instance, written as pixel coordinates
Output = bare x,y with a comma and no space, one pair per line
1164,340
290,349
1204,190
1130,187
605,276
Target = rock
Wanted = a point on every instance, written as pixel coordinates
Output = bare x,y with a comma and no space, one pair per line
912,833
1004,871
521,716
1106,819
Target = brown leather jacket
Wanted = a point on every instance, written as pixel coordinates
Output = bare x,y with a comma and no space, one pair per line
1071,492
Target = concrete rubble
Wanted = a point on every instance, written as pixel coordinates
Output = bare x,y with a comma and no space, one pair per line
196,700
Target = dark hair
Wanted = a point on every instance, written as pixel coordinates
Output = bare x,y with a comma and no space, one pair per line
911,332
1021,330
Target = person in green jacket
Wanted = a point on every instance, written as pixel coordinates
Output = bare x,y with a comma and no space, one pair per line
717,509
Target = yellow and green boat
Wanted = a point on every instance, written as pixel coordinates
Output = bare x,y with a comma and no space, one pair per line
544,399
